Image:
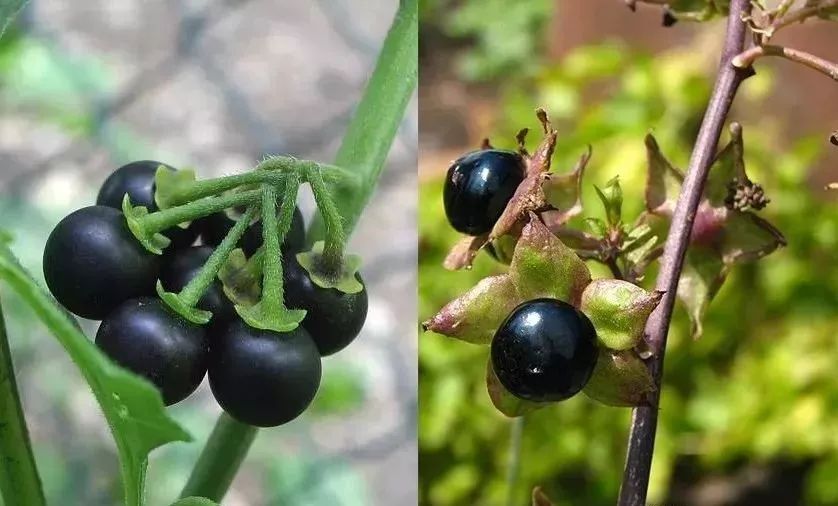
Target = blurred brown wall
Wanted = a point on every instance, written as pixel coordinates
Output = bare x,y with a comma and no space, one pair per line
806,98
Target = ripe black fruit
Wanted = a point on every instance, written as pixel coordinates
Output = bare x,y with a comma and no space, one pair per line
478,187
180,266
137,180
544,351
214,227
92,262
146,337
333,318
263,378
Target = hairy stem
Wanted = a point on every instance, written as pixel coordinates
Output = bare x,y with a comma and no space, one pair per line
825,67
161,220
644,420
335,238
19,480
376,121
194,290
220,459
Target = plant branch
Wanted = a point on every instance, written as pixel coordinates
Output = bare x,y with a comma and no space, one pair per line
802,14
220,459
747,58
644,420
19,480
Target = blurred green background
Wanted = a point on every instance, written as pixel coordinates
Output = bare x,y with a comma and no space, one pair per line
215,85
749,414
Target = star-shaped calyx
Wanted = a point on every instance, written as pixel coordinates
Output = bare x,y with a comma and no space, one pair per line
726,230
543,266
541,192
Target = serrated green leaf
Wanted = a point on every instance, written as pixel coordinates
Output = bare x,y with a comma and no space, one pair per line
504,401
475,316
543,266
619,310
619,379
132,406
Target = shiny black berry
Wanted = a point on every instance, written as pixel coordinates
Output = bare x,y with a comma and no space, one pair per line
146,337
178,269
263,378
92,262
333,318
214,227
137,180
544,351
478,187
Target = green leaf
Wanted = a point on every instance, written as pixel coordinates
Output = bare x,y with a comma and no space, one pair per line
8,11
475,316
504,401
619,310
703,274
564,191
611,196
543,266
132,406
749,237
663,182
619,379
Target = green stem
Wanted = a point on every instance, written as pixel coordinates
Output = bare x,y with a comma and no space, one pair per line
376,121
19,480
363,153
335,237
514,470
208,187
273,290
167,218
220,459
194,290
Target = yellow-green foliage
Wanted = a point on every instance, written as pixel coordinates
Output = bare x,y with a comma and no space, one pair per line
759,385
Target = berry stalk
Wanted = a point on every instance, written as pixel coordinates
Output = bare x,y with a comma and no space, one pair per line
272,170
161,220
19,480
270,312
335,236
185,301
644,418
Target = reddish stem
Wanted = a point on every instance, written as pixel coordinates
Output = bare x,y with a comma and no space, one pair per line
644,420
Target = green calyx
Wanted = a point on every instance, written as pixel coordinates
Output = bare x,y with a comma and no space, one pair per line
183,307
151,240
343,279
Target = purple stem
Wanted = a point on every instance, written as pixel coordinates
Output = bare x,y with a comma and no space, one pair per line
644,418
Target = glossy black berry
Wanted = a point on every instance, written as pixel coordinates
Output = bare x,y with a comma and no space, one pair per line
478,187
263,378
544,351
214,227
333,318
137,180
146,337
92,262
178,269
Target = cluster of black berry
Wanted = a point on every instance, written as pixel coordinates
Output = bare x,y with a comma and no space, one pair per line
97,269
546,349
